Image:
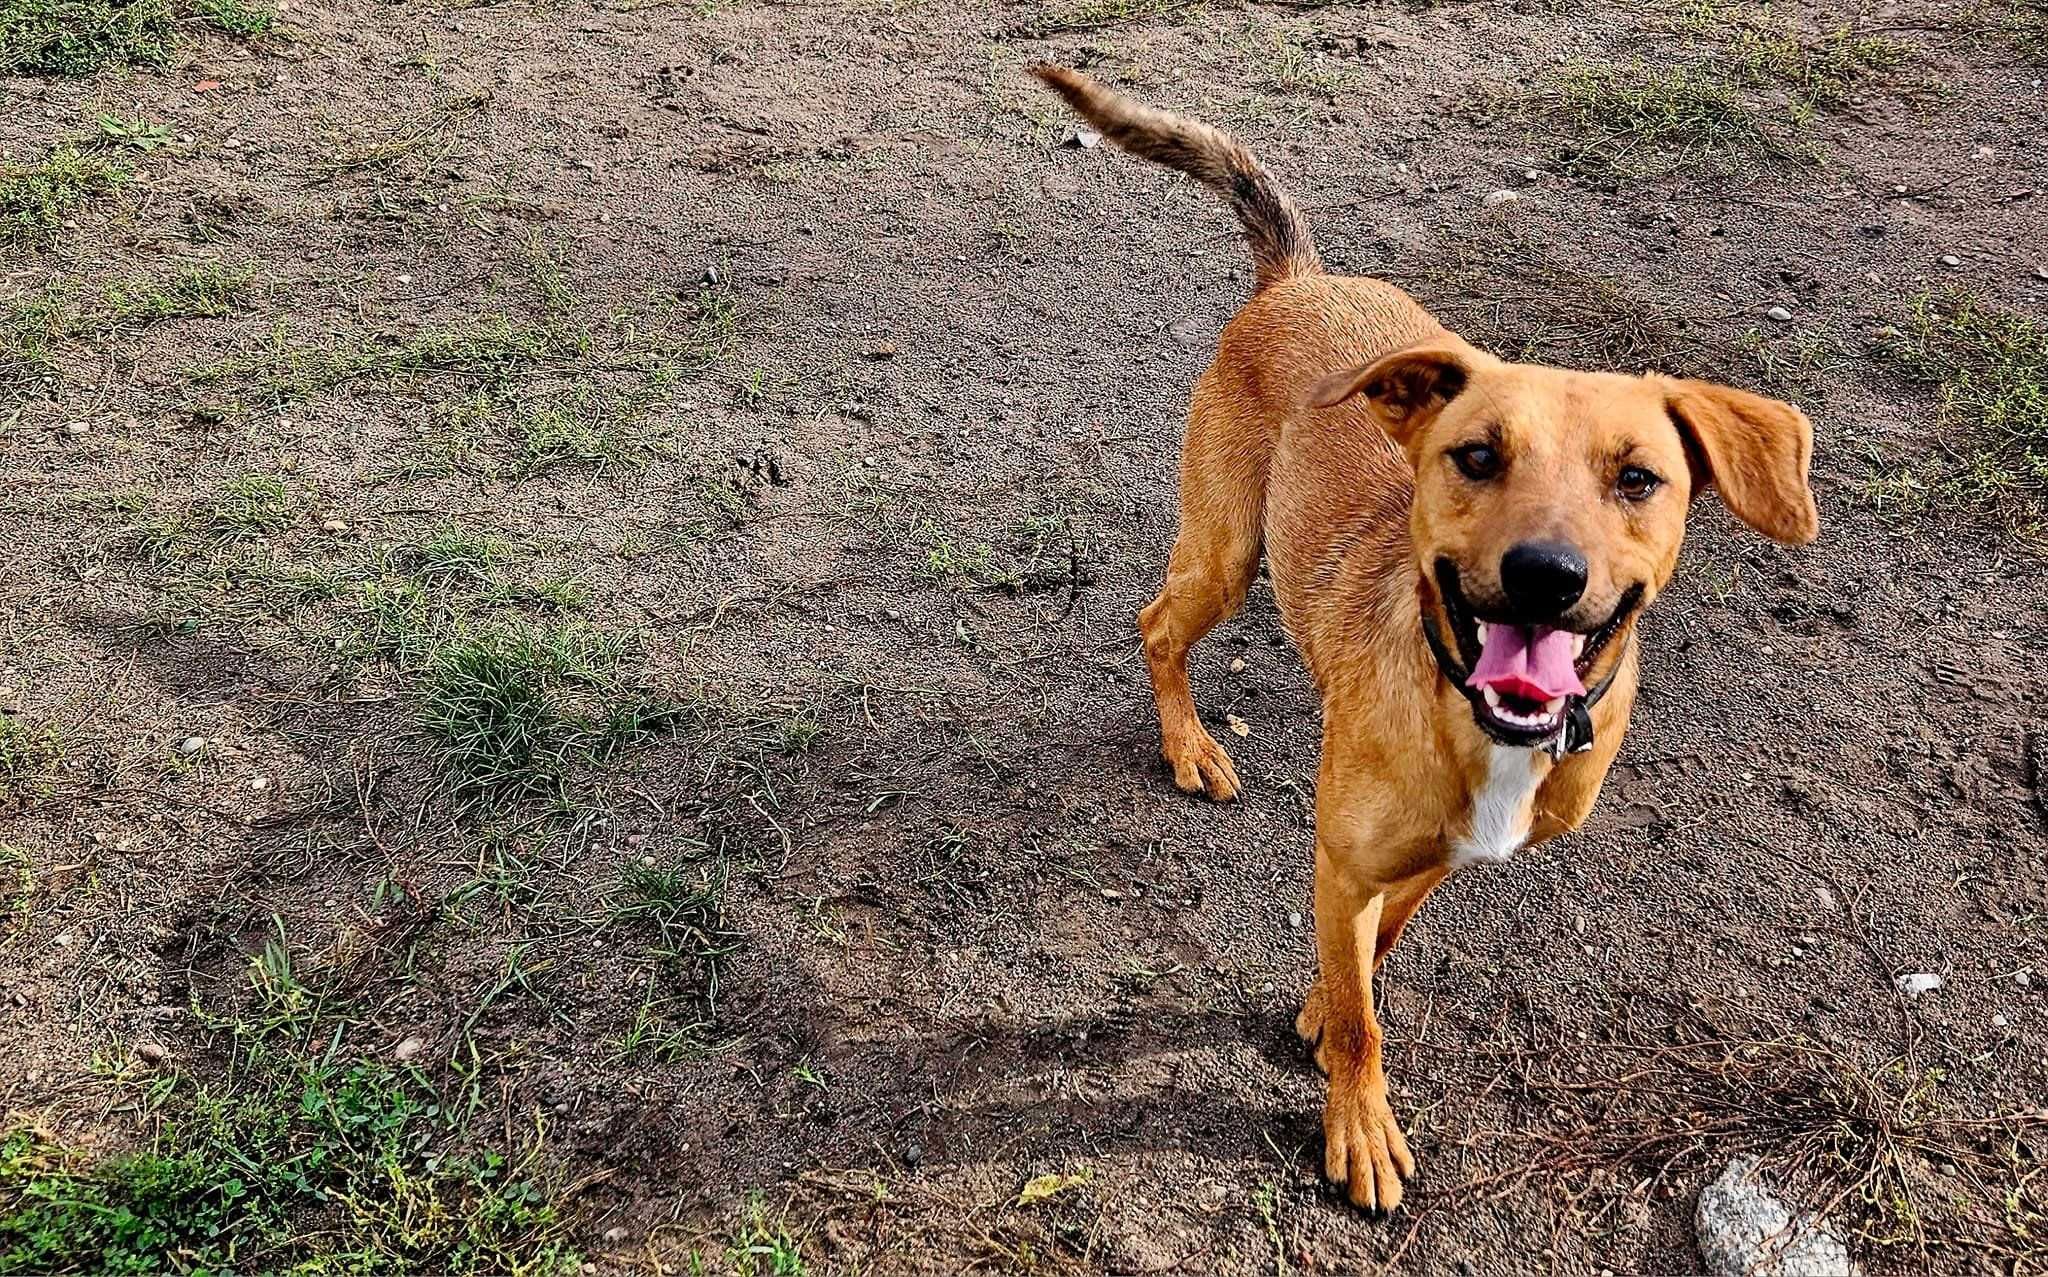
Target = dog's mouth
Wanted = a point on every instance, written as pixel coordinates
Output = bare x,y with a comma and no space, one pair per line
1523,678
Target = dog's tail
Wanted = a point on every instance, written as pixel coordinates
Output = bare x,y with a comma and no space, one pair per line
1273,226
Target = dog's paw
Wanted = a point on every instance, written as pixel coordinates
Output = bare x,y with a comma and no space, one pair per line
1364,1150
1201,767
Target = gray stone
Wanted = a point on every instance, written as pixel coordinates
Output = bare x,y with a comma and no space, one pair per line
1744,1230
1780,314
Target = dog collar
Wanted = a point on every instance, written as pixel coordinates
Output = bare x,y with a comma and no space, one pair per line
1575,736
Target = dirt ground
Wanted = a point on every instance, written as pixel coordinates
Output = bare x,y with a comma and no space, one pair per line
586,555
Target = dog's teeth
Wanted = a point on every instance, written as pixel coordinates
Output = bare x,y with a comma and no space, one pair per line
1553,705
1492,699
1484,630
1578,646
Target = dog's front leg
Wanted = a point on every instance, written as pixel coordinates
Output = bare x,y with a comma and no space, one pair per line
1364,1149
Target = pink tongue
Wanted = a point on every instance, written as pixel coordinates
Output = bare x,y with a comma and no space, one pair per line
1534,664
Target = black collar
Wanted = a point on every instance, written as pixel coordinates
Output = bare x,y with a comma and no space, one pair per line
1576,736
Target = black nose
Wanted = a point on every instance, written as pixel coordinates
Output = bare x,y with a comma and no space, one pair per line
1542,579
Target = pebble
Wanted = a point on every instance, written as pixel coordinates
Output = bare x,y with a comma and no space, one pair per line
2023,977
408,1049
1779,314
1917,983
76,428
334,525
191,745
150,1053
1237,665
1494,199
614,1235
1950,259
2041,272
259,783
1294,918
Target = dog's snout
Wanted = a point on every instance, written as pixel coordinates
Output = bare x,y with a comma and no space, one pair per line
1542,579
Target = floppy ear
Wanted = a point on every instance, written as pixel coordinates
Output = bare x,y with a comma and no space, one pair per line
1404,389
1755,450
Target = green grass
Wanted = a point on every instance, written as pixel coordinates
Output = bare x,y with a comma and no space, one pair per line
681,919
34,198
487,351
1060,16
79,37
249,506
203,290
1989,368
494,705
283,1165
765,1248
1631,116
24,752
1742,103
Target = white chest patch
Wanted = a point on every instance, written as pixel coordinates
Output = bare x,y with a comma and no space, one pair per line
1501,810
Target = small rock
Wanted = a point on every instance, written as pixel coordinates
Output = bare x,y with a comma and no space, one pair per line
2023,977
1238,727
614,1235
1237,665
1494,199
408,1049
882,350
1950,259
1294,919
150,1053
1778,314
334,525
1917,983
259,783
1746,1231
712,277
2041,272
76,428
1082,138
191,745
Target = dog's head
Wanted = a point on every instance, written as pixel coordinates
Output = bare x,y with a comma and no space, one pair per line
1549,506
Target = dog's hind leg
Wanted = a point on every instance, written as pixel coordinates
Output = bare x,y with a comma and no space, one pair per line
1222,506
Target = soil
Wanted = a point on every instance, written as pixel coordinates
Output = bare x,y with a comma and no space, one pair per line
903,513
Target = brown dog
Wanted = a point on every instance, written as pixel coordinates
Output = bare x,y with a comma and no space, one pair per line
1460,547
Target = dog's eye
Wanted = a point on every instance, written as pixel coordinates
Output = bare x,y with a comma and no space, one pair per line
1476,461
1635,483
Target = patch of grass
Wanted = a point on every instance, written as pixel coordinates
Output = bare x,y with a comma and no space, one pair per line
196,290
487,350
1289,68
283,1165
78,37
682,917
24,752
765,1248
249,506
492,704
34,198
1990,369
1058,16
1635,116
1818,75
236,17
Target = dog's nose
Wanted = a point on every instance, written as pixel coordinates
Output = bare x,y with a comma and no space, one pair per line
1542,579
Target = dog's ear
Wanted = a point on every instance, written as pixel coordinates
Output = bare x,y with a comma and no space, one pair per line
1755,450
1404,389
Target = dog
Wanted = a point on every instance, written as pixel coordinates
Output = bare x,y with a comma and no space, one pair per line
1461,548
